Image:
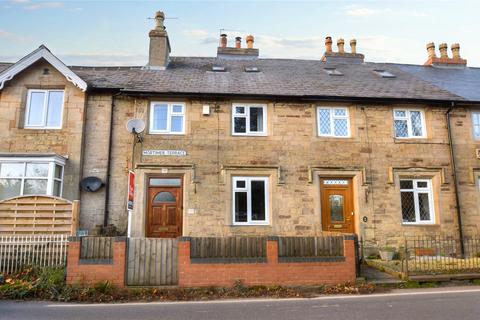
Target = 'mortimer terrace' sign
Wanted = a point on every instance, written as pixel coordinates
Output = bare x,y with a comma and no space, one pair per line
175,153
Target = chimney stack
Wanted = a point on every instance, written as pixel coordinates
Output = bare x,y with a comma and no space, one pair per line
159,44
444,60
353,46
328,44
250,39
341,56
223,40
341,45
238,42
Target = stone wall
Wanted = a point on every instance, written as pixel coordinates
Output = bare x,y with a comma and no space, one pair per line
372,156
66,141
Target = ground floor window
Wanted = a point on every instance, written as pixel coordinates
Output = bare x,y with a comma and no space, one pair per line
417,201
29,176
250,200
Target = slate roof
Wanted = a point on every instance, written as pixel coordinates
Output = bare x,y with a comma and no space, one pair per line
287,78
464,82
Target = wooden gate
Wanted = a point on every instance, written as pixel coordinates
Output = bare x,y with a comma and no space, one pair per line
152,262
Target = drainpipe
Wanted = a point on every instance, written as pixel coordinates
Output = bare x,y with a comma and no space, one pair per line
109,160
455,181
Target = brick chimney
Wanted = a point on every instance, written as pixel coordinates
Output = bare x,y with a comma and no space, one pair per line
237,52
444,60
341,56
159,44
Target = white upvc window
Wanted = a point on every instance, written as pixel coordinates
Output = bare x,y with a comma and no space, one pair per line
476,124
44,109
31,176
250,201
167,117
417,201
333,122
249,119
409,123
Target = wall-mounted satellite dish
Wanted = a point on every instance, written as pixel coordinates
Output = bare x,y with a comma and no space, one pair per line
91,184
135,125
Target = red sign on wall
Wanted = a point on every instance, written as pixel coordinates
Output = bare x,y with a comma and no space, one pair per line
131,189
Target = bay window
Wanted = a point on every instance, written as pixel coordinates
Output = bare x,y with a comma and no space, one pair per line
31,176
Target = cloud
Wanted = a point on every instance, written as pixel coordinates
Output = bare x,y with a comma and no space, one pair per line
12,37
36,5
360,12
43,5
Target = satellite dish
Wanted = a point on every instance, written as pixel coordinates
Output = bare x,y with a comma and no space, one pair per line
91,184
135,125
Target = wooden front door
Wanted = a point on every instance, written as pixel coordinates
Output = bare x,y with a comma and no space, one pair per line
164,210
337,204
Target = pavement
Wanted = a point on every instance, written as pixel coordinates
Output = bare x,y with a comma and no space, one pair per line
436,303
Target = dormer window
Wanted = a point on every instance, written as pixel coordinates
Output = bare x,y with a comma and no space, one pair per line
44,109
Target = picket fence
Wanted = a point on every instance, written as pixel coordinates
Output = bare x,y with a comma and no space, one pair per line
17,252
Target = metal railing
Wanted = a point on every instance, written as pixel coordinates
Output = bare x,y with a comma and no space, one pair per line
440,255
17,252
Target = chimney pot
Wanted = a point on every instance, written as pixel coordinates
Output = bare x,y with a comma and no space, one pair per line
443,50
238,42
455,51
250,39
159,18
223,40
353,46
328,44
341,45
431,50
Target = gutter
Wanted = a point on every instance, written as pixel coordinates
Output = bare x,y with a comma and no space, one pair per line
109,160
455,180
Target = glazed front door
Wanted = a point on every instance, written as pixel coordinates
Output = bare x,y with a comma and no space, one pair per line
337,205
164,212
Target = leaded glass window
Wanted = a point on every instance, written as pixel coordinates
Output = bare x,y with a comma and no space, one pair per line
417,202
333,122
408,123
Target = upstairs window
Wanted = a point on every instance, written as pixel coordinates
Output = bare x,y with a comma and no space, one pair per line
417,201
30,176
249,119
167,118
250,200
44,109
476,124
333,122
409,123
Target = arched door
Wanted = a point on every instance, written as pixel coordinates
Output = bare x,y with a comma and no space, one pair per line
164,212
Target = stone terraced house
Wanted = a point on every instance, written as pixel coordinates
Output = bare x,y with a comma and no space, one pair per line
240,145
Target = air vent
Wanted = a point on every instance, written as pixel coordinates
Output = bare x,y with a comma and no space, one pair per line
384,73
333,72
218,69
252,69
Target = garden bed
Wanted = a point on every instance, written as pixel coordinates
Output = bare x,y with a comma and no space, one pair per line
49,284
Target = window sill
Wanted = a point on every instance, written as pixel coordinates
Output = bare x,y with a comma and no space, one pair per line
430,224
38,129
250,225
167,133
249,135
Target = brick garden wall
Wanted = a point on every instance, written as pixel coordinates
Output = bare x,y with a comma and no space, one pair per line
273,272
91,272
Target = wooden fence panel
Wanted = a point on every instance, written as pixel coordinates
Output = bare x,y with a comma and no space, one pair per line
328,246
96,248
152,262
38,215
17,252
228,247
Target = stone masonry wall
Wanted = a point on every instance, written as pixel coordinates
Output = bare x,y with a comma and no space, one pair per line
293,145
66,141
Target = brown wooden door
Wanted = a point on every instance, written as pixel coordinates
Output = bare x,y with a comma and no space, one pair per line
337,205
164,212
